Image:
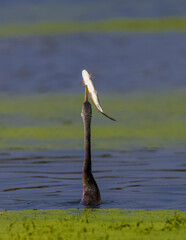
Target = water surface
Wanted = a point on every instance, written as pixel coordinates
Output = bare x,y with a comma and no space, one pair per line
146,179
119,62
79,10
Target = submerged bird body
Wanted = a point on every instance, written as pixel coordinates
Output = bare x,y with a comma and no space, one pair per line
91,193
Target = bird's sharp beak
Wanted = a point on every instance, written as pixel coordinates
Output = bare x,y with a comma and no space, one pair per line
86,94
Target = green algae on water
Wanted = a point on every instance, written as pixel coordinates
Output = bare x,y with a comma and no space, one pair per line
112,25
92,224
53,121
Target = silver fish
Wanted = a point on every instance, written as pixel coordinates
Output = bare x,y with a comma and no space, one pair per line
92,92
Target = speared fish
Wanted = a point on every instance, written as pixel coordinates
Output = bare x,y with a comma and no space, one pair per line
92,92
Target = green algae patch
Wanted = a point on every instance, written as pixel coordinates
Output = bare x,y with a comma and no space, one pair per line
53,121
127,24
92,224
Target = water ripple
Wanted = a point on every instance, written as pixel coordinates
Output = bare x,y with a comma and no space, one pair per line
53,179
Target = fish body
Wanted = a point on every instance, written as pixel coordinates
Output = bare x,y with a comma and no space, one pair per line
91,89
92,92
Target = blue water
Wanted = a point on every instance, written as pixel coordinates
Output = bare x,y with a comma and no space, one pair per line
21,11
146,179
118,62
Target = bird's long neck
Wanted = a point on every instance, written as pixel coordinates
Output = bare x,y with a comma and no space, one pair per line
86,116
